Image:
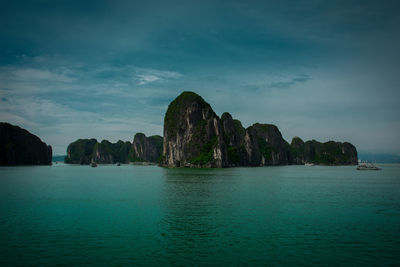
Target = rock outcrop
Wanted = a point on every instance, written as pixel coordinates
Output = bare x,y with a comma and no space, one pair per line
81,151
20,147
108,153
329,153
147,149
234,137
297,151
265,146
84,151
258,145
194,136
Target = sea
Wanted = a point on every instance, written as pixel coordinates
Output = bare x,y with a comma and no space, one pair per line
152,216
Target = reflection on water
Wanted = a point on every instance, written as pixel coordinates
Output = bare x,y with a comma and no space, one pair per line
192,200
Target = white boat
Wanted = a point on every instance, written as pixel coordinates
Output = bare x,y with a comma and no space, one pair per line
308,164
367,167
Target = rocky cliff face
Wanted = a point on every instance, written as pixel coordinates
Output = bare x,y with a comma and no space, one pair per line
20,147
192,134
258,145
297,152
108,153
265,146
84,151
147,148
195,136
234,137
329,153
81,151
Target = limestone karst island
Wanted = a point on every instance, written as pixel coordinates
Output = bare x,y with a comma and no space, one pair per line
194,136
20,147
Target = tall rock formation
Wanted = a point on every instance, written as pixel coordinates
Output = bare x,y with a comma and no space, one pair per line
258,145
328,153
108,153
20,147
234,137
147,148
297,152
192,134
81,151
84,151
265,146
195,136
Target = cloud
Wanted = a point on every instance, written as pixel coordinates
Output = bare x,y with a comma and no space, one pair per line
83,80
147,76
35,75
42,111
261,82
302,78
32,80
145,79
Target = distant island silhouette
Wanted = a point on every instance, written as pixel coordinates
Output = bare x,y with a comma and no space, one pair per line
20,147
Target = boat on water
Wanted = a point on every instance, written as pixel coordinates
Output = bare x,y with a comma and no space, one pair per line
308,164
367,167
93,164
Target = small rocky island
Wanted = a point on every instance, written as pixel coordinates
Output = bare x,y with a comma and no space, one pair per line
142,149
194,136
20,147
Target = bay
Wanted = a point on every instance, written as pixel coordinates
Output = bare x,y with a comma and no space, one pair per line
147,215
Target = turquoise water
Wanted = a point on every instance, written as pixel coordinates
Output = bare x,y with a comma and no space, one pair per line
147,215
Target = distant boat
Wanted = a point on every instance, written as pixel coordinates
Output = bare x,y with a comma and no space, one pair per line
367,167
118,164
309,164
93,164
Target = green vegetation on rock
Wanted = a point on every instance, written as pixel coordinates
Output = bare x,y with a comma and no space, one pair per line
177,107
329,153
238,127
233,155
266,149
206,153
81,151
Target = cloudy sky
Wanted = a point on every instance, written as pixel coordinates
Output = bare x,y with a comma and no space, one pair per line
325,70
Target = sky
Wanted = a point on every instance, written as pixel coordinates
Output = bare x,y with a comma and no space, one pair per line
324,70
